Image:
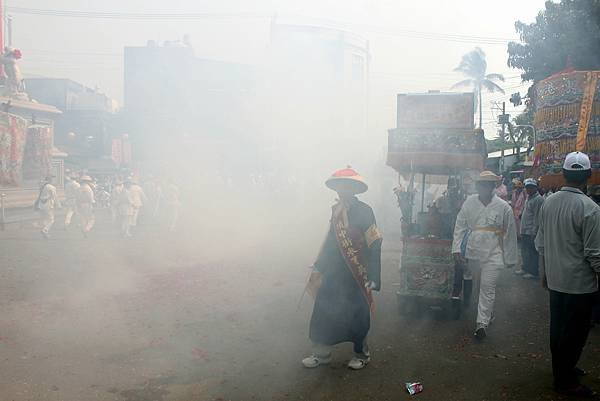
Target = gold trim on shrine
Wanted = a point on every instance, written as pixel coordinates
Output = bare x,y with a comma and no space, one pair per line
587,103
560,147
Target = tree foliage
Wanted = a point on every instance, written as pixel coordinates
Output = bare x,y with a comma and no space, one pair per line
495,144
517,135
474,66
565,34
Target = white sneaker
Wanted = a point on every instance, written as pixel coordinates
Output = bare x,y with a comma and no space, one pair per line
528,275
480,333
519,272
359,362
314,360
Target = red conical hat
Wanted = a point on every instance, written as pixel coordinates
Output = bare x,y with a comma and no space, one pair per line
347,176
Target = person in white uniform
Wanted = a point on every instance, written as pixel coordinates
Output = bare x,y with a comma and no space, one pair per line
153,192
172,204
125,207
71,194
46,203
115,196
138,198
85,204
485,238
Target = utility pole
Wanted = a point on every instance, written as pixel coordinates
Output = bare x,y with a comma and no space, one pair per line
503,133
2,25
2,73
503,119
9,30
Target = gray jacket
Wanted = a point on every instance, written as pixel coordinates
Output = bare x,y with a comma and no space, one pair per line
569,239
530,219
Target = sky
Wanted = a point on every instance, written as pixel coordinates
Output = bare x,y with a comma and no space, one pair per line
414,45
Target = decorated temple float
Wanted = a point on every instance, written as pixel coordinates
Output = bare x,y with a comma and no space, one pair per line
27,152
436,152
567,118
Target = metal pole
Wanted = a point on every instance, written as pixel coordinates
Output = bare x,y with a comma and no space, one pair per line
503,133
2,73
9,28
2,216
2,16
423,194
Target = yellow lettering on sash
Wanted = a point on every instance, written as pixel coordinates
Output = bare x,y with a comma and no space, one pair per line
372,235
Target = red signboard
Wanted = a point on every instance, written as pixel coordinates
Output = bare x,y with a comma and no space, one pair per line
117,151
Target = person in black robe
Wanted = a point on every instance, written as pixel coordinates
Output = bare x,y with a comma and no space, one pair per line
349,266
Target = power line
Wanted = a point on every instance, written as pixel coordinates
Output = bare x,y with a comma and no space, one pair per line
189,16
34,61
68,53
129,16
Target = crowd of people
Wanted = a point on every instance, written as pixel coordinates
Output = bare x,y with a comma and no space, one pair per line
125,197
558,233
559,236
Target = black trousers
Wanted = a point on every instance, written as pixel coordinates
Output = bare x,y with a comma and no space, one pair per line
529,254
596,309
569,328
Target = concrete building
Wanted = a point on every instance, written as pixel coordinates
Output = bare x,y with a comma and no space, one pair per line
317,65
309,93
173,97
87,126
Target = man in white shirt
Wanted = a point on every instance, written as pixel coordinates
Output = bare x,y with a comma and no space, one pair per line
115,196
85,204
71,194
137,198
47,201
153,192
125,208
172,204
485,237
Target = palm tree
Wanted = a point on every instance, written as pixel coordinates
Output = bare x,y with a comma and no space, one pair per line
473,65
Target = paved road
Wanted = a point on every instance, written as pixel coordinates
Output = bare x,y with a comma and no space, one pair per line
210,313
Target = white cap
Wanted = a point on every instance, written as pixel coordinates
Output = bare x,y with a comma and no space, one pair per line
576,161
531,181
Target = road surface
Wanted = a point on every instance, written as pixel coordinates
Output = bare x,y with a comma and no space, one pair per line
211,313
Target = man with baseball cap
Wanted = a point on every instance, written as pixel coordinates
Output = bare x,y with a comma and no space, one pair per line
485,237
529,228
568,241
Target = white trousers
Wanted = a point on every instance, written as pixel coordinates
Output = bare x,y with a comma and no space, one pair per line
47,219
134,215
485,277
126,224
86,211
172,217
69,215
